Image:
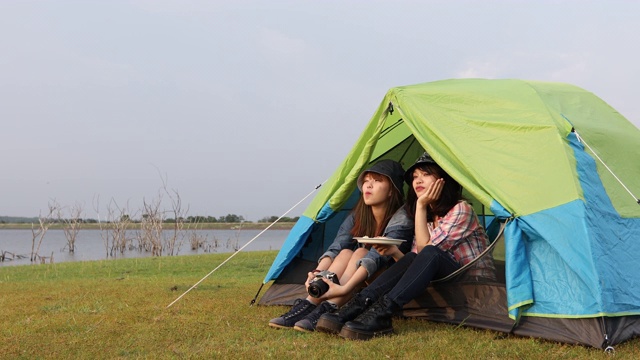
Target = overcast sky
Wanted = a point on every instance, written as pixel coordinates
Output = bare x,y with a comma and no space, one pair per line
245,106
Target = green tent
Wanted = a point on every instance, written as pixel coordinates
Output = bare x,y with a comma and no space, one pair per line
553,162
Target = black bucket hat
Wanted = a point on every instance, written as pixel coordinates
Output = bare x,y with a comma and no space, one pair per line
389,168
425,158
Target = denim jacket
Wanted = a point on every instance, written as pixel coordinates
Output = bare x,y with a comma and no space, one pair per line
399,227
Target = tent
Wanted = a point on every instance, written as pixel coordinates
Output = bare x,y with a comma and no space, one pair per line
552,164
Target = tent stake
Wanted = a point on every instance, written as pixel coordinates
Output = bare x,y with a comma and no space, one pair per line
256,297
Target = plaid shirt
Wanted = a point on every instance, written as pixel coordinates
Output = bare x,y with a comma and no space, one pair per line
459,233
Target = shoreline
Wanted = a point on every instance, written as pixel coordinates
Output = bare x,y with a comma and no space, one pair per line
165,226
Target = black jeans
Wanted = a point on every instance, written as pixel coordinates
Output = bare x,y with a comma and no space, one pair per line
410,276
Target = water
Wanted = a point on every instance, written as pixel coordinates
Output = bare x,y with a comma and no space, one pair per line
91,246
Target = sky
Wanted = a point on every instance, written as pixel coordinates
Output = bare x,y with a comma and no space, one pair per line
244,107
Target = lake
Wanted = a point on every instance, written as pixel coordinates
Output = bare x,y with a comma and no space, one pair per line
16,244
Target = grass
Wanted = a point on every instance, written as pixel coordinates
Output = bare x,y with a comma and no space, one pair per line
116,309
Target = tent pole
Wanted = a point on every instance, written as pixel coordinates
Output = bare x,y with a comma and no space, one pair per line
484,218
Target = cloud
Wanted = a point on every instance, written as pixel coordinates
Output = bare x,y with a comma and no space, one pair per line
183,7
280,48
479,69
564,67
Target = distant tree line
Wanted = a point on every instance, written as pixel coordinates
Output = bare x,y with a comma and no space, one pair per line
27,220
197,219
15,219
270,219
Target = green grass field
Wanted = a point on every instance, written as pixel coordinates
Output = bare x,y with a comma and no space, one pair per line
116,309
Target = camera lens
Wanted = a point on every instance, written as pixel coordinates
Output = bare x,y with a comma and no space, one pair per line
317,287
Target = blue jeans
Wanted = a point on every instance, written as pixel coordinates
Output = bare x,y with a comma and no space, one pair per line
410,276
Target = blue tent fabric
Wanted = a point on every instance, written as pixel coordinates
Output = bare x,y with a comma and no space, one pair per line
325,213
554,266
291,247
615,253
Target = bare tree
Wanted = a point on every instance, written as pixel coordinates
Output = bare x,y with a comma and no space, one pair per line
113,229
38,233
174,240
151,226
196,241
104,229
151,236
71,224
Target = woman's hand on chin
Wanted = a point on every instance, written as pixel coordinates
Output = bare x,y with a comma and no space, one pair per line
432,194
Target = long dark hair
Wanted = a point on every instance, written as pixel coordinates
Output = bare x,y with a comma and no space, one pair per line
365,223
451,193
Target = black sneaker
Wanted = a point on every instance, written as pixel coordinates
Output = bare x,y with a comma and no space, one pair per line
310,321
332,322
300,309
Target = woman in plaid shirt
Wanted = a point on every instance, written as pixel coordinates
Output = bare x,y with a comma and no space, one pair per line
447,236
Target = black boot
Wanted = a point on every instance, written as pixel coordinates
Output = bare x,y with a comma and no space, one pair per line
332,322
310,321
373,322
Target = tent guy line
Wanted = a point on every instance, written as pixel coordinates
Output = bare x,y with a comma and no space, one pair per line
245,245
581,139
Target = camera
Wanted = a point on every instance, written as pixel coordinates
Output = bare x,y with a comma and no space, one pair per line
317,287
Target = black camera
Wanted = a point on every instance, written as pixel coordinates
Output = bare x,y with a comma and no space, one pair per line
317,287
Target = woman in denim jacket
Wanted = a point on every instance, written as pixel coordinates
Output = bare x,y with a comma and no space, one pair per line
379,212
